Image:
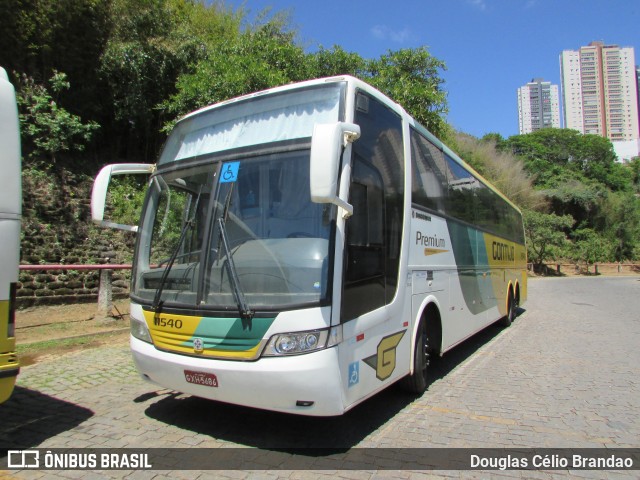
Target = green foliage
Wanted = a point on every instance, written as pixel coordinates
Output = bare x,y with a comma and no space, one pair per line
328,63
40,36
618,220
546,236
557,154
411,77
268,56
255,60
580,177
503,169
47,128
135,66
590,247
126,196
579,199
152,43
634,173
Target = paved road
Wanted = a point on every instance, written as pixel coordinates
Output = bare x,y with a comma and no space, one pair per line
565,374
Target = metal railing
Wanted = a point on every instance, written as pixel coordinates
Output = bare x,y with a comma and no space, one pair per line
600,268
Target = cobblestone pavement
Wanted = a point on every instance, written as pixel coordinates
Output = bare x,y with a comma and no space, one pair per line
565,374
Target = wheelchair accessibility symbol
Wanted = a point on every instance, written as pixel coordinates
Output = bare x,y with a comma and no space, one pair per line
354,374
229,172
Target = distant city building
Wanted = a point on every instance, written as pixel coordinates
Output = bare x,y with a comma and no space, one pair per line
538,106
638,87
600,92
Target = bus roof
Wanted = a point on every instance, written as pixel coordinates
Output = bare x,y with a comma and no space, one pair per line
356,83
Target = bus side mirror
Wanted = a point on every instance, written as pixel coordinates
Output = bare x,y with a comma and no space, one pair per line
327,145
101,184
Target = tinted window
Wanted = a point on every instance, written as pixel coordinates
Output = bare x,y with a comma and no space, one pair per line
429,180
461,192
441,184
374,233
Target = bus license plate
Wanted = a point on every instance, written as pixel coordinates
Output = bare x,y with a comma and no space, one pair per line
201,378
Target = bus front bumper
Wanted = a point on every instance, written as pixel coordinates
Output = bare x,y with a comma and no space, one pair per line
302,384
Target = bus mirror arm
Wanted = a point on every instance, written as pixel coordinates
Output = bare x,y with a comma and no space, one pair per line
328,144
101,185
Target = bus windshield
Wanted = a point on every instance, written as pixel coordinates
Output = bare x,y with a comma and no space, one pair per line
277,239
254,121
228,223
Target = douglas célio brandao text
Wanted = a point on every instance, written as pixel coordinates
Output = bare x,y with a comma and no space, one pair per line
534,461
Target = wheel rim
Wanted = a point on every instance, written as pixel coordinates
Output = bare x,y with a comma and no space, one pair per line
425,353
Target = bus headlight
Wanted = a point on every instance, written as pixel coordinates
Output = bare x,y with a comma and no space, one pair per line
139,330
297,343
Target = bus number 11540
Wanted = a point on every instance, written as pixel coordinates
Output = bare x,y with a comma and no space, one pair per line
168,322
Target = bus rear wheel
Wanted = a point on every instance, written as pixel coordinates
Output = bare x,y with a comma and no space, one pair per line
511,310
417,381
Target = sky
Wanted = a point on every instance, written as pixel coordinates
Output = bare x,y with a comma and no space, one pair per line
490,47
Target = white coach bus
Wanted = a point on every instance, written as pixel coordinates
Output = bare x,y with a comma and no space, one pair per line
10,215
305,247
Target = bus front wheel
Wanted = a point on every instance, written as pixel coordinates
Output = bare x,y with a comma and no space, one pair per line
417,381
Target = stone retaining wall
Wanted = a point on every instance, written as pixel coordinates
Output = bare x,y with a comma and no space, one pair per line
54,287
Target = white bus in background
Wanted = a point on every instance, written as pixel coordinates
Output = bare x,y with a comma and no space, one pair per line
305,247
10,214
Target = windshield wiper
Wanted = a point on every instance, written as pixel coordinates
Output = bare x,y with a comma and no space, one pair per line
245,312
189,224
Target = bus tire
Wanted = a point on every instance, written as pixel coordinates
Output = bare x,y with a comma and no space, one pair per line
508,319
416,382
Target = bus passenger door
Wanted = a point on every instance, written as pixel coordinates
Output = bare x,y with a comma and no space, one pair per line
375,348
364,282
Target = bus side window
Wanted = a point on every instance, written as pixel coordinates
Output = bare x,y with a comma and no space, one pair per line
429,182
461,201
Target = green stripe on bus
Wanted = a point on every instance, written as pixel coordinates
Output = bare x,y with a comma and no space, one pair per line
234,334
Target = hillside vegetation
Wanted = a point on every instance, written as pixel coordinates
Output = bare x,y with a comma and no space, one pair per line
102,81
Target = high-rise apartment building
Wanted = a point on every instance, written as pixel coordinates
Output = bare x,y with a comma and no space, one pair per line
638,86
599,91
538,106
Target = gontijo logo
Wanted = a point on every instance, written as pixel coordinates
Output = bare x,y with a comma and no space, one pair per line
384,361
502,251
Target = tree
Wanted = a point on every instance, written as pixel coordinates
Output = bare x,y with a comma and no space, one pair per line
503,169
40,36
590,247
153,43
496,138
255,60
555,155
412,78
545,236
48,128
580,199
618,220
634,169
267,55
336,61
